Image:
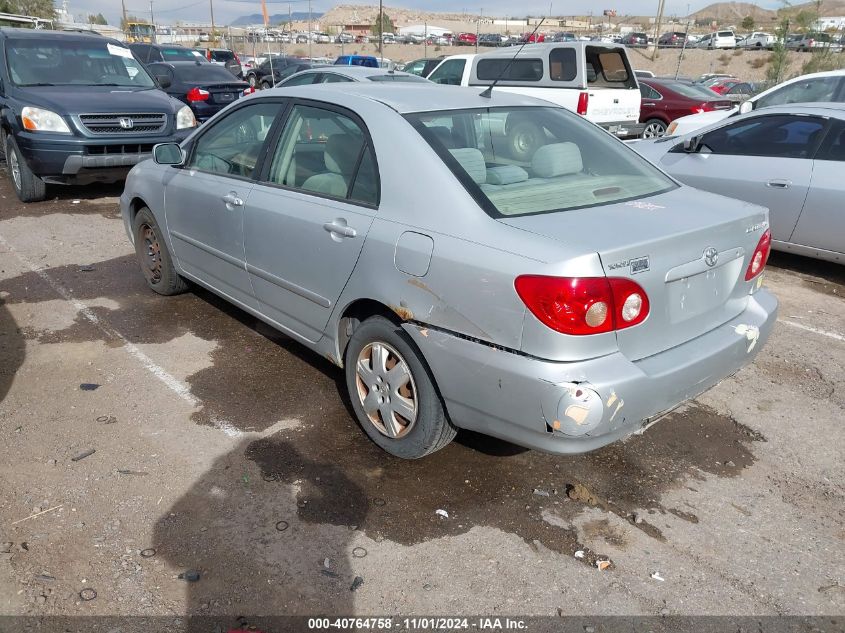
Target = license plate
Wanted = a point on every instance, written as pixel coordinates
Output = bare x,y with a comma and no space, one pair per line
226,96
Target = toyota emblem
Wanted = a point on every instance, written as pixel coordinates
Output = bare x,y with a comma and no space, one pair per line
711,256
126,123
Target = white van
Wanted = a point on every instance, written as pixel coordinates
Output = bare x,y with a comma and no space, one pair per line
591,78
718,39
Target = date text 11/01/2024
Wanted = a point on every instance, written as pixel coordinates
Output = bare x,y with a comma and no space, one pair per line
417,624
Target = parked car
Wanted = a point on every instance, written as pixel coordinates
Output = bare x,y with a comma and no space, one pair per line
422,66
465,39
500,323
643,74
673,39
224,57
491,39
78,109
722,85
594,80
814,41
816,87
357,60
261,76
345,38
664,100
149,53
759,39
533,38
206,88
718,39
711,76
786,158
339,74
740,92
635,40
564,36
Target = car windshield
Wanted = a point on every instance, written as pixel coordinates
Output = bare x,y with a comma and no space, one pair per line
394,77
222,56
59,62
691,91
527,160
203,73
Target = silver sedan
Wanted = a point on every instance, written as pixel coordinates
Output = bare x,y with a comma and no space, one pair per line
338,73
559,299
790,159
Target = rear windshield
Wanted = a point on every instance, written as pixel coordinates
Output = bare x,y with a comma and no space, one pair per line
72,62
222,56
523,161
693,92
608,68
203,73
725,34
180,54
393,77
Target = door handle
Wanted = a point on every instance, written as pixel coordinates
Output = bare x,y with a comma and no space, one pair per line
648,105
779,184
231,199
337,228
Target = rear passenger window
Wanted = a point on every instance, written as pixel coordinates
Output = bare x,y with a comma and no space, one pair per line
326,153
562,65
449,72
510,69
833,147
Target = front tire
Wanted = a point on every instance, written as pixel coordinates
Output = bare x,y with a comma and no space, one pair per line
654,128
28,186
154,258
393,393
266,85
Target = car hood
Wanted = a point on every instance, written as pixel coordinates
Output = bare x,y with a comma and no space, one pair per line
693,122
654,149
83,99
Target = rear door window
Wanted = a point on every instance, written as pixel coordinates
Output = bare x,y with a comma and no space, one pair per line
833,147
449,72
776,136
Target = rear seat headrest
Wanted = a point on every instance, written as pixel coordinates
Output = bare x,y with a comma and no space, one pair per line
472,160
557,159
506,175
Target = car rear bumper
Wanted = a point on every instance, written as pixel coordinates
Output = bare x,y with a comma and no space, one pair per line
624,129
580,406
76,160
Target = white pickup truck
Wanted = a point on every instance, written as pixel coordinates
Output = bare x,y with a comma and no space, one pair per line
590,78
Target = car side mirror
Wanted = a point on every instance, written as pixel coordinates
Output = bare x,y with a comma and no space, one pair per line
745,107
691,144
168,154
164,82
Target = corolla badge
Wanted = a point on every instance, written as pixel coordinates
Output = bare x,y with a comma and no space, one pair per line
711,256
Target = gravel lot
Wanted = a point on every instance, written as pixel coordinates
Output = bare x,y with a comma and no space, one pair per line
224,447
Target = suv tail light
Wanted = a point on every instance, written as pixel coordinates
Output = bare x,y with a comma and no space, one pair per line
583,305
760,256
583,101
208,54
198,94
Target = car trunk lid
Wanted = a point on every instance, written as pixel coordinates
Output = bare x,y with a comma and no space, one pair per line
687,249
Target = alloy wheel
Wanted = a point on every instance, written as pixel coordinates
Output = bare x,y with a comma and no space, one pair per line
15,168
654,130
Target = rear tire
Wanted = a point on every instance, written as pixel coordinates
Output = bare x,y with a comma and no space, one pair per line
266,85
393,393
154,258
28,186
654,128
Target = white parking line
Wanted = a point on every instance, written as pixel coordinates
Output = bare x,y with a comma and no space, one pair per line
169,380
814,330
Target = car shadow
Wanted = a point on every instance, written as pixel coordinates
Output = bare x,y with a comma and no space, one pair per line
829,271
12,350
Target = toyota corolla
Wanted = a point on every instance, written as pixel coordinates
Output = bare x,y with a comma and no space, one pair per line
560,298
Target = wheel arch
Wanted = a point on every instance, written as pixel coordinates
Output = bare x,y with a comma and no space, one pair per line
354,313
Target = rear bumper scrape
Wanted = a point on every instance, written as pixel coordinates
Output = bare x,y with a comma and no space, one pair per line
574,407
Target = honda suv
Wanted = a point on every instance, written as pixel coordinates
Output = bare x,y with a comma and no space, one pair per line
78,109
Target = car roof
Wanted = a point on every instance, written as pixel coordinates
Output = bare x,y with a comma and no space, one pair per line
45,34
821,108
360,72
406,98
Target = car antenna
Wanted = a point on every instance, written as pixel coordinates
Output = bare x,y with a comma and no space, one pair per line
489,92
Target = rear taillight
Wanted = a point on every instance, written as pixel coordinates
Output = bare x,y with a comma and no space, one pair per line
583,101
237,59
704,107
760,256
583,305
198,94
208,55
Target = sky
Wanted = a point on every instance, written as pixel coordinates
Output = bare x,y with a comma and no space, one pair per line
225,11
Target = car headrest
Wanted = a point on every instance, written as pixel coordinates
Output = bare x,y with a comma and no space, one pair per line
557,159
472,160
341,153
506,175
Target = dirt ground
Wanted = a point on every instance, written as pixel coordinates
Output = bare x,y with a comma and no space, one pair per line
224,448
749,65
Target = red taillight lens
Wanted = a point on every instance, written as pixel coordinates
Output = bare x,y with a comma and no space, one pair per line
583,101
198,94
583,305
760,256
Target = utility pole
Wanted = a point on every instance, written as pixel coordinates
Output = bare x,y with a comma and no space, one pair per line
123,6
153,22
660,7
211,7
310,31
380,27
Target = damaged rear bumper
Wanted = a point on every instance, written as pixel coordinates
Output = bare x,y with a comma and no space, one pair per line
575,407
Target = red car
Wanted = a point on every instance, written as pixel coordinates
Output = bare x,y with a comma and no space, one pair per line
533,38
465,39
721,87
664,100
